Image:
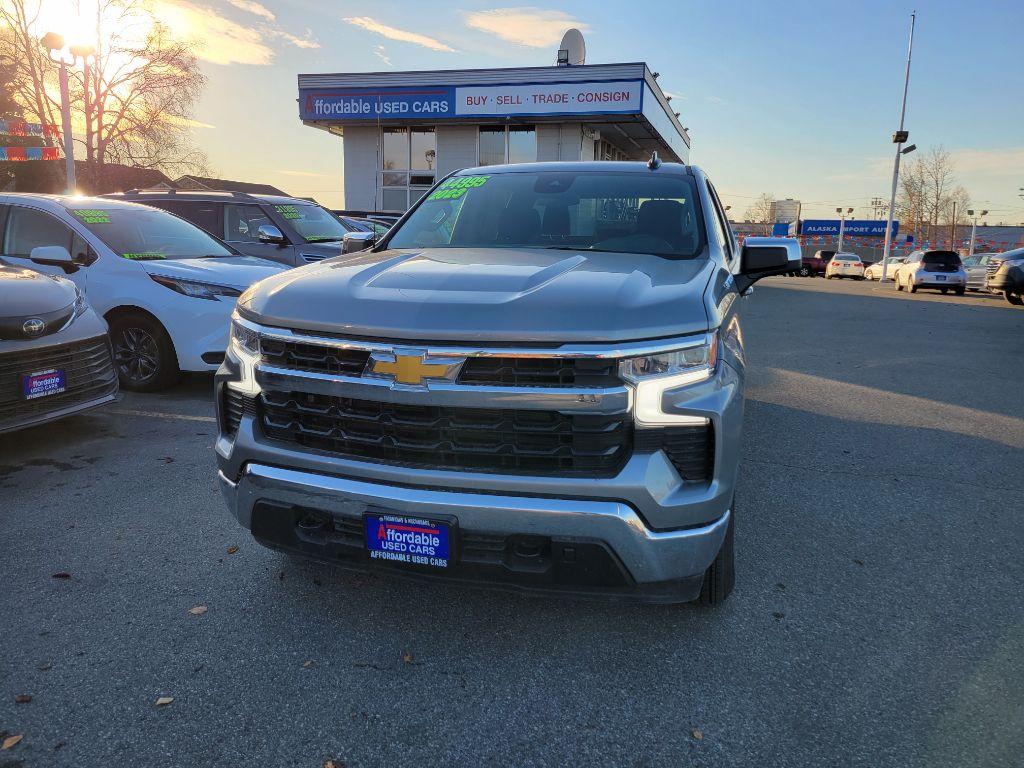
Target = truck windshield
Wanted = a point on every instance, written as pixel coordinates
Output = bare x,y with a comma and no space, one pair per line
649,213
147,234
313,223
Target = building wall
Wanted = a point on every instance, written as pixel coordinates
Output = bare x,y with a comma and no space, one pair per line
456,148
359,146
557,142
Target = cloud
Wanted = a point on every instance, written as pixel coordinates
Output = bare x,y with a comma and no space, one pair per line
527,25
250,6
187,122
298,42
995,162
382,54
872,169
393,33
716,99
218,39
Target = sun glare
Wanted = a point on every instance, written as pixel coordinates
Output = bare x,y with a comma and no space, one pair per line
76,21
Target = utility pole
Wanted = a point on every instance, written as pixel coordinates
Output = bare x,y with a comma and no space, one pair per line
974,228
952,229
898,139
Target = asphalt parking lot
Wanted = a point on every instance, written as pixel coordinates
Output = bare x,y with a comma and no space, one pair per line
878,618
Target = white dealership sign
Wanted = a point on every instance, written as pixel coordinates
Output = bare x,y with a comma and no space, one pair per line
549,98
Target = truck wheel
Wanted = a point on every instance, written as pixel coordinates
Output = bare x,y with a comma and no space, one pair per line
143,353
1015,299
720,578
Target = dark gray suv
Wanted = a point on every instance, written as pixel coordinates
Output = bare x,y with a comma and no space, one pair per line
287,230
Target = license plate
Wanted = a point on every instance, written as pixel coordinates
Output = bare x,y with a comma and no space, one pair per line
43,383
409,540
940,277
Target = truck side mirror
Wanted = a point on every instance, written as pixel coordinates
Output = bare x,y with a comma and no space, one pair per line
54,256
764,256
268,233
357,241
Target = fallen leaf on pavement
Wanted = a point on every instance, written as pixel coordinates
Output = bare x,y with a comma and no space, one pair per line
308,664
232,550
163,701
62,575
697,734
10,741
168,460
45,667
407,657
199,610
22,698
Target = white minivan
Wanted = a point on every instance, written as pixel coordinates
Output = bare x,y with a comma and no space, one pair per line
165,287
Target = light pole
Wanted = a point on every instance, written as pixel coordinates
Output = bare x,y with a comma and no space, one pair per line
842,226
54,45
898,139
974,227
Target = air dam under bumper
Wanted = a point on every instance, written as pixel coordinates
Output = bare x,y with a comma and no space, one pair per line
625,557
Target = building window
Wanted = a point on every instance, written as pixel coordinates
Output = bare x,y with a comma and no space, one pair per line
507,144
408,162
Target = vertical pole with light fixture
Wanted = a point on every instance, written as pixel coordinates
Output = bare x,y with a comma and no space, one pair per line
54,43
842,226
974,229
898,139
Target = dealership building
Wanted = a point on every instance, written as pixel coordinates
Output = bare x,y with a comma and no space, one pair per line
400,131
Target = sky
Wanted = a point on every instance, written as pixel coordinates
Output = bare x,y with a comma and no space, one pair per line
797,99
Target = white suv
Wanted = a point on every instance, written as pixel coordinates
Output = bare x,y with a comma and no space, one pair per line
940,270
165,287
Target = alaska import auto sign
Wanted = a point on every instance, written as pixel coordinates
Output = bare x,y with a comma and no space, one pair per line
454,101
852,227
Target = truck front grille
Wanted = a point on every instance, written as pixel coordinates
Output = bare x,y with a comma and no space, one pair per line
88,370
464,439
493,371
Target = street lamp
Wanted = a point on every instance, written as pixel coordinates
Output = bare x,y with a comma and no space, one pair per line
899,139
54,45
974,226
842,226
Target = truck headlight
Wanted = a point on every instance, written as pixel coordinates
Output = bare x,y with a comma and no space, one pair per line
653,375
245,339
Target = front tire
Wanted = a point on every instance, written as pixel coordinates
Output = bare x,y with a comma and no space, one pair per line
143,353
960,291
896,282
911,286
720,578
805,272
1015,299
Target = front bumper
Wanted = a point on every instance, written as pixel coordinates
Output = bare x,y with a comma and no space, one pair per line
581,546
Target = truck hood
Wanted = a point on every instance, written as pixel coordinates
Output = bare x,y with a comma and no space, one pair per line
234,271
489,294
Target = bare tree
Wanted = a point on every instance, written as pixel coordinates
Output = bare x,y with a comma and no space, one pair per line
928,190
760,211
135,95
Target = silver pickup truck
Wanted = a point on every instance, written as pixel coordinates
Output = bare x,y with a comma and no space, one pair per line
533,381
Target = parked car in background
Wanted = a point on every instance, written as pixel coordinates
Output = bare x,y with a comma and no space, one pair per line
845,265
939,270
976,267
367,225
387,219
816,264
1008,276
288,230
165,287
55,356
874,271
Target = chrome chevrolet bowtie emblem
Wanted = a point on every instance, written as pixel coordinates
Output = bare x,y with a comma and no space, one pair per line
33,326
413,367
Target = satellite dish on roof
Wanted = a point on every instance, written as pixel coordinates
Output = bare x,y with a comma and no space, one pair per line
572,50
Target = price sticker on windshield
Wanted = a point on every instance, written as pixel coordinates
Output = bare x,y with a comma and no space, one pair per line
456,187
92,216
288,211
